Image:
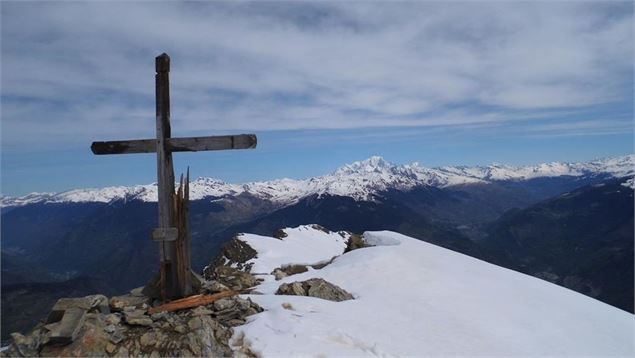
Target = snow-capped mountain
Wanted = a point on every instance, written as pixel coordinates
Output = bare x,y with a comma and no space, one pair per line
360,180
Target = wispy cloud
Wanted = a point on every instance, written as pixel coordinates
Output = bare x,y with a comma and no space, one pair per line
72,71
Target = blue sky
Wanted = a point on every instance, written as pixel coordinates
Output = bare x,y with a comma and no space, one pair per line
321,84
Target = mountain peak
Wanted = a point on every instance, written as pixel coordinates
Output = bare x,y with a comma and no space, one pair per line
374,164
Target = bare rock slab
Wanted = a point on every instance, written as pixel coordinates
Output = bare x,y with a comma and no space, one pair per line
94,303
315,287
66,330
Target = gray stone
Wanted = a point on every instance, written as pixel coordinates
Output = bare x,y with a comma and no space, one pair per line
159,316
110,348
355,242
279,274
328,291
116,337
315,287
26,346
68,327
122,352
235,322
118,303
147,339
137,317
138,292
254,305
112,318
201,311
193,344
110,328
224,304
195,323
233,277
140,321
214,286
94,303
227,314
180,329
242,303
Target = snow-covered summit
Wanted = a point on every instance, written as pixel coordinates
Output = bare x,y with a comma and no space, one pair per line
374,164
361,180
412,298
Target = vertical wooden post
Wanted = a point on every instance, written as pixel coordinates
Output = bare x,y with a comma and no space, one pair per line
165,175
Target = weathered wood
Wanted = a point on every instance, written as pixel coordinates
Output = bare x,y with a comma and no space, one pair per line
175,276
165,175
192,301
185,144
124,146
182,263
196,144
165,234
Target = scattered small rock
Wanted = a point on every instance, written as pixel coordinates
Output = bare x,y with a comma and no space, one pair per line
137,317
112,318
180,329
224,304
321,228
280,234
289,270
355,242
118,303
194,323
214,287
231,277
201,311
147,339
235,322
111,348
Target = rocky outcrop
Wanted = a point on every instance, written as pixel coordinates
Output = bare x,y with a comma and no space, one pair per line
227,276
355,242
122,326
235,253
289,270
315,287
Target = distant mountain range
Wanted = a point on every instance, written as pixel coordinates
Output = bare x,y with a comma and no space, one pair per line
361,180
568,223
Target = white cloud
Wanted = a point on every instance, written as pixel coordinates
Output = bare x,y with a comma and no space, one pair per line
85,70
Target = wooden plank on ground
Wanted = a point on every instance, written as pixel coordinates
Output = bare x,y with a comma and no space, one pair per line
191,302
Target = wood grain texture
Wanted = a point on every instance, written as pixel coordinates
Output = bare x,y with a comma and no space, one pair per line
185,144
192,301
165,176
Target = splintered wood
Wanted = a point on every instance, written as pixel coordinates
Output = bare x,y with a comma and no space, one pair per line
182,244
191,302
175,278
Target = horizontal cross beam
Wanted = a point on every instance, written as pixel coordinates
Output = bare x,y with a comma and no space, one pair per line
188,144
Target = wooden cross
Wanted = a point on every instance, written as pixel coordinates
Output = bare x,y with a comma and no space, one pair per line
171,285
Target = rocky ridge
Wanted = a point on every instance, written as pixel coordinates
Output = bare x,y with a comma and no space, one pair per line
124,325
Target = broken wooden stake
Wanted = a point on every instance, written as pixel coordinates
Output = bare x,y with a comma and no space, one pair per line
192,301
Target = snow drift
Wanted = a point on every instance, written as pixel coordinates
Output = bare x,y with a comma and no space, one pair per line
413,298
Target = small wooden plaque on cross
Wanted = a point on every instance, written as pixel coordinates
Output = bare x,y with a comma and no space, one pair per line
164,145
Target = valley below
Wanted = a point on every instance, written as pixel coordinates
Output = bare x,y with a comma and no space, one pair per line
569,224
